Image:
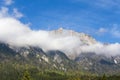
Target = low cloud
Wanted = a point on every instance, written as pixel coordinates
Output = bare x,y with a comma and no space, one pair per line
105,49
14,32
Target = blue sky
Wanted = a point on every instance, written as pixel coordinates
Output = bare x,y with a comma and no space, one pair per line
98,18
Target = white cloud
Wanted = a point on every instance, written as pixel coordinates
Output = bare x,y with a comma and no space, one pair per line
16,13
99,48
8,2
15,33
115,31
4,12
102,30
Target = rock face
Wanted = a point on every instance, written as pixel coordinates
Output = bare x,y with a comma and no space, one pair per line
84,38
59,60
79,39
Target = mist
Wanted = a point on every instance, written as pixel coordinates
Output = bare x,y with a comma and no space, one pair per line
104,49
15,33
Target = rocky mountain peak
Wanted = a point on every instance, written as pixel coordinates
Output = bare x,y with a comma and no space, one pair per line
84,38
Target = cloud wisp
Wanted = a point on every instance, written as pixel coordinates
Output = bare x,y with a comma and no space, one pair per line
16,13
8,2
106,4
114,31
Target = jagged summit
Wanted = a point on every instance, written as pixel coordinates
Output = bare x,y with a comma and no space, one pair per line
67,41
84,38
66,57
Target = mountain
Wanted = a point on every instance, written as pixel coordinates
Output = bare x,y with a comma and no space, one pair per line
35,56
99,63
85,38
75,40
58,59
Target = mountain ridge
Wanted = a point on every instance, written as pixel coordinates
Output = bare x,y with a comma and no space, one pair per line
59,60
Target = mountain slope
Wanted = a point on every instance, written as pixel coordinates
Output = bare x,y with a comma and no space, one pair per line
65,59
35,56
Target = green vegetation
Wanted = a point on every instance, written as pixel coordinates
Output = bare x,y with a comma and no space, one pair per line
27,72
26,76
